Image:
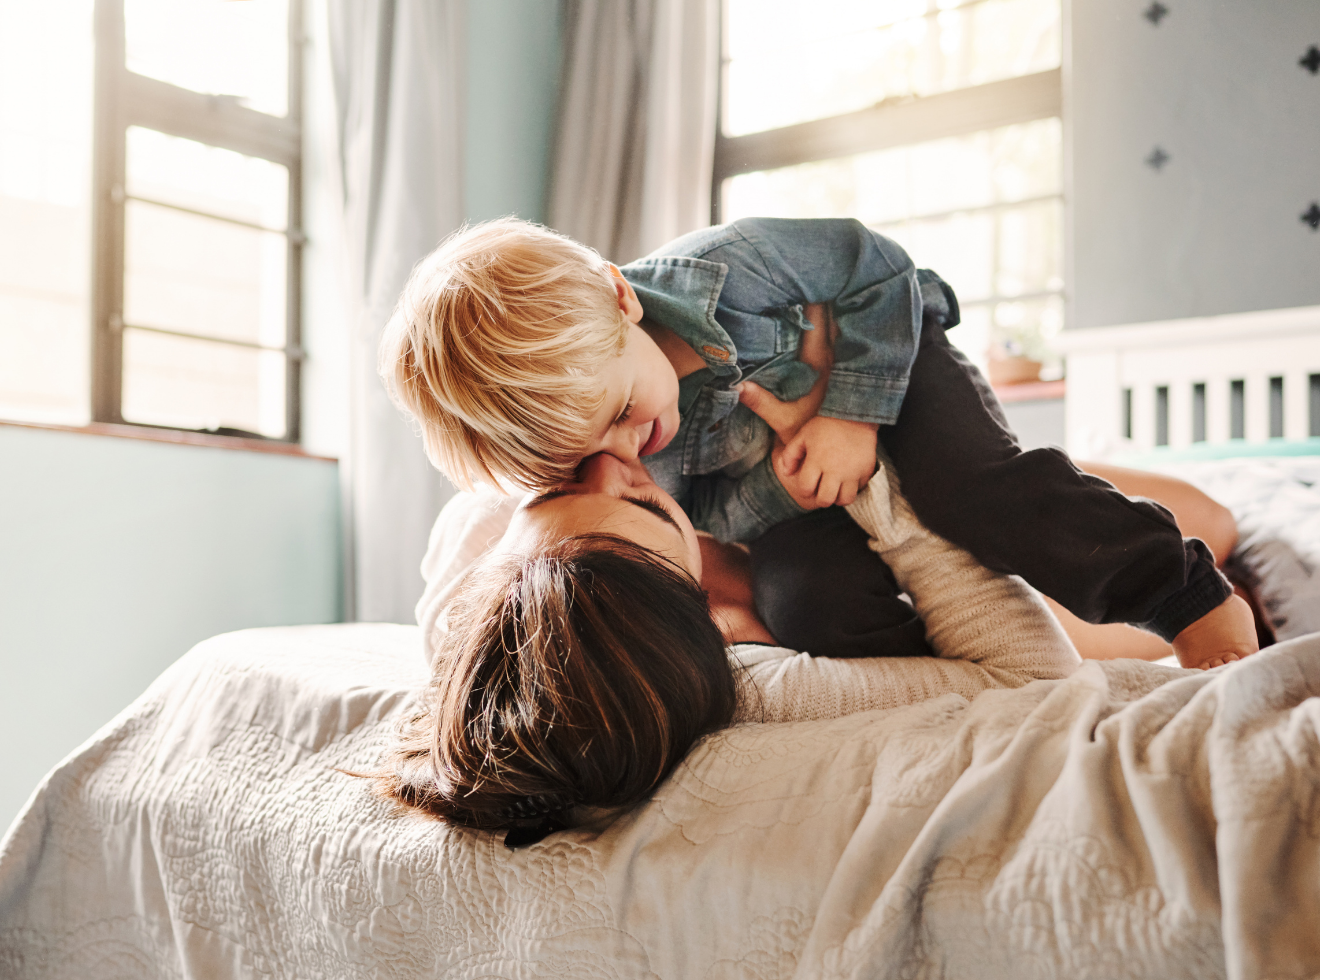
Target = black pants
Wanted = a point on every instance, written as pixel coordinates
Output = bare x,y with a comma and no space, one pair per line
1105,557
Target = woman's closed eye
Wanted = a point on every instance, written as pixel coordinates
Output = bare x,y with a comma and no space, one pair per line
656,508
625,414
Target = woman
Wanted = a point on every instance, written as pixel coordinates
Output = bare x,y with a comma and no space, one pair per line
579,662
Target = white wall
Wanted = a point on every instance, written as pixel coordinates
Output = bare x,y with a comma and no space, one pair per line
1217,86
117,555
1037,423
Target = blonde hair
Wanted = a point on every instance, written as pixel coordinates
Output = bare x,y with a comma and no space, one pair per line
495,348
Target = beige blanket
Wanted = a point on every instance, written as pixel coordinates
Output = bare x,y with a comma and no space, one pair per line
1128,821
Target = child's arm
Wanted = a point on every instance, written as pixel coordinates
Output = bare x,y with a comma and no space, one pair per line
820,461
867,280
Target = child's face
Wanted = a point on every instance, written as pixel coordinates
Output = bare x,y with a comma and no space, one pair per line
640,413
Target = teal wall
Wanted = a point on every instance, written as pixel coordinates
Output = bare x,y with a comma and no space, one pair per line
512,91
117,555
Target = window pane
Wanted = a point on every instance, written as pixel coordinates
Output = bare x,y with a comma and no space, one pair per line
984,210
1028,328
791,61
45,181
960,248
949,202
213,46
206,178
203,276
1030,249
197,384
43,358
972,335
999,166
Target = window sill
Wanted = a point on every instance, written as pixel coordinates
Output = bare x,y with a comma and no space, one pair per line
175,436
1031,391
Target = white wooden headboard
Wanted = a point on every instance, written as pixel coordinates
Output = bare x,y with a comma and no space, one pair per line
1176,383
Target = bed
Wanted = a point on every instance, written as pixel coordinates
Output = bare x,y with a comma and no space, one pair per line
1132,820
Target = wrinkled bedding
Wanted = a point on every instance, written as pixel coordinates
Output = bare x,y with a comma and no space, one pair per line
1276,502
1129,821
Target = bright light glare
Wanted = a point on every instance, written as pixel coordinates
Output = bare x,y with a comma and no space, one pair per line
179,171
215,46
792,61
45,184
984,210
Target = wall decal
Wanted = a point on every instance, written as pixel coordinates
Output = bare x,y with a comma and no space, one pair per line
1156,12
1157,159
1312,216
1311,60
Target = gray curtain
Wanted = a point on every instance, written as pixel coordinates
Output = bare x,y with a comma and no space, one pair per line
636,137
397,75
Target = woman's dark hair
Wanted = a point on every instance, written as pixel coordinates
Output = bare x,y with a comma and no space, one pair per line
577,676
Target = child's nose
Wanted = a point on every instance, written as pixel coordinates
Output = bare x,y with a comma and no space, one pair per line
624,442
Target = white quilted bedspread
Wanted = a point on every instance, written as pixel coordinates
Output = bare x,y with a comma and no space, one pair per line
1131,821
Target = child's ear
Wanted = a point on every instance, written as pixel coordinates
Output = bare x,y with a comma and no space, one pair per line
628,301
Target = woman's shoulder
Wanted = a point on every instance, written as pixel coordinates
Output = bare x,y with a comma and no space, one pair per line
470,523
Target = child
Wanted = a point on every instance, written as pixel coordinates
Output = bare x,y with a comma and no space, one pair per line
521,353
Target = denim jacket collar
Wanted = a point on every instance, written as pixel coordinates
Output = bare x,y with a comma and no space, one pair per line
681,293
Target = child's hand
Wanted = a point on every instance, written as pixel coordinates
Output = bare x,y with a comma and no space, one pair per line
1224,634
827,462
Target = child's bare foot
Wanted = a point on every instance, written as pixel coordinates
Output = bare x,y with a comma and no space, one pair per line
1223,635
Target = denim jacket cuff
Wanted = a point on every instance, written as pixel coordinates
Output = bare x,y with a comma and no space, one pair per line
863,398
767,499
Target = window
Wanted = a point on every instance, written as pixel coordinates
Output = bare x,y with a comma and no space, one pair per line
936,122
45,186
175,164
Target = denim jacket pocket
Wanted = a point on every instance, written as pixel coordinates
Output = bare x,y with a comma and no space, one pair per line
790,321
720,433
754,333
784,376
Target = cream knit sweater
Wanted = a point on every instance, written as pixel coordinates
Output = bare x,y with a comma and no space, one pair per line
988,630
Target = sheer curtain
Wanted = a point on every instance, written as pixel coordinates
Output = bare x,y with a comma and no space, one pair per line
397,79
632,169
636,138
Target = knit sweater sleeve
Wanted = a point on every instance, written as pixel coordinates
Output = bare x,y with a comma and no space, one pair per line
988,630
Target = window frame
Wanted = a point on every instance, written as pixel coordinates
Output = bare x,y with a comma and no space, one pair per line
897,122
123,98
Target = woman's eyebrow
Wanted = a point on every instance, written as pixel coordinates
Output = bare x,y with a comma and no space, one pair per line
546,497
646,503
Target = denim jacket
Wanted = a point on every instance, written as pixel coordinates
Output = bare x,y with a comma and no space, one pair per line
735,293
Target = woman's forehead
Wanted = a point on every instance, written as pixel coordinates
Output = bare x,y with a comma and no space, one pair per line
568,512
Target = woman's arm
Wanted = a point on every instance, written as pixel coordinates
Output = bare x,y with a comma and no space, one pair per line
468,525
971,613
989,630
